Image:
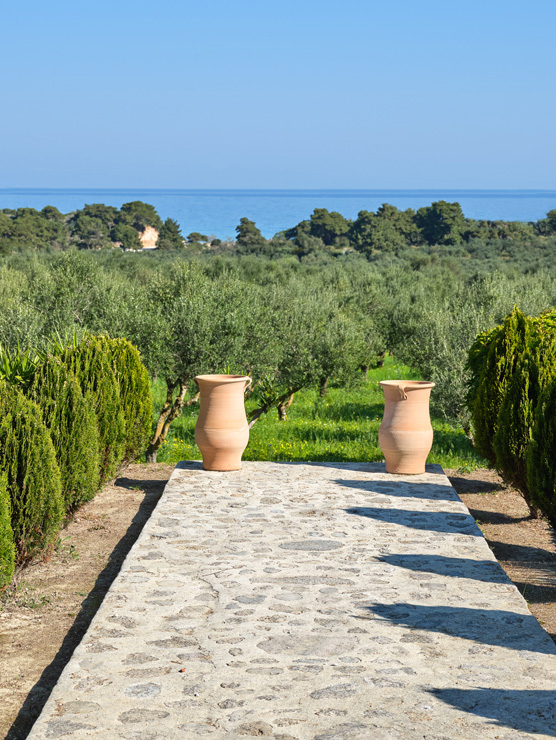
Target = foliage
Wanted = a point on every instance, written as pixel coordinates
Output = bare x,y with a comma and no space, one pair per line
510,365
126,235
170,236
249,238
7,547
28,460
89,232
427,313
28,229
139,215
329,227
441,223
18,367
492,361
91,363
535,367
514,423
541,469
439,232
387,230
135,394
195,236
73,429
343,426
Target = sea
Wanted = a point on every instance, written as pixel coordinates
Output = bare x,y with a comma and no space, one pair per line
217,212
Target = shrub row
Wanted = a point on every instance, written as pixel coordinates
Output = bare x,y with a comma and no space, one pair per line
512,395
85,411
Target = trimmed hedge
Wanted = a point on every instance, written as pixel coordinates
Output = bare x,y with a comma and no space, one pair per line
87,408
492,360
135,395
72,423
28,460
511,365
7,547
91,363
541,455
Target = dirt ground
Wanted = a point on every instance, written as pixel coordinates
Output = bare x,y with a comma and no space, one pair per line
49,607
46,612
524,547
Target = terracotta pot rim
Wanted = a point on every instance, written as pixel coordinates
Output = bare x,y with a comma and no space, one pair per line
407,384
222,378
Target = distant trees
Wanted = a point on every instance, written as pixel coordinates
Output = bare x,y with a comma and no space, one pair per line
52,213
249,239
89,232
97,226
438,231
196,237
170,236
547,225
386,230
330,227
441,223
139,215
28,229
127,236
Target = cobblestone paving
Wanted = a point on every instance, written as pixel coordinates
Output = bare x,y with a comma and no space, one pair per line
309,602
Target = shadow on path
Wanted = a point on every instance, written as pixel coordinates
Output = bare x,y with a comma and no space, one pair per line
404,490
463,485
478,570
528,710
429,521
485,626
497,517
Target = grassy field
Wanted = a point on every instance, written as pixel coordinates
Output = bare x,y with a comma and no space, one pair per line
343,426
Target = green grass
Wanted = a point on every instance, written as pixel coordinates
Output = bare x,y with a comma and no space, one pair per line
342,427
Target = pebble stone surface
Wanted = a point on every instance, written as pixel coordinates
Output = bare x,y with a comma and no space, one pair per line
299,601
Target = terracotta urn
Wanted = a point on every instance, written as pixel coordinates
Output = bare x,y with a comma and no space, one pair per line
222,432
405,435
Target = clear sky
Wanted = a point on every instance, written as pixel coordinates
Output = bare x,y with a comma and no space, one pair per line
283,94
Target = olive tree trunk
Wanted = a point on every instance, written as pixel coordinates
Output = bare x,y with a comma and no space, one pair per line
170,410
283,408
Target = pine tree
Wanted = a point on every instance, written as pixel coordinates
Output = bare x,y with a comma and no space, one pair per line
170,236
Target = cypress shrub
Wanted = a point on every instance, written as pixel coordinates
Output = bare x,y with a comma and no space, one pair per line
28,460
540,457
7,547
73,429
90,362
492,360
510,365
135,395
515,421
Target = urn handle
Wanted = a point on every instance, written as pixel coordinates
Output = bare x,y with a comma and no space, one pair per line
403,394
247,384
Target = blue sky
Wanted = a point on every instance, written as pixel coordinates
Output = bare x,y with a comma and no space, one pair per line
304,94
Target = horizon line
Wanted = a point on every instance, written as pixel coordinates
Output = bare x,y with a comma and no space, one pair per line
287,190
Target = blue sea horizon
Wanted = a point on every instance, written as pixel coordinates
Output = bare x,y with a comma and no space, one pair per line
217,211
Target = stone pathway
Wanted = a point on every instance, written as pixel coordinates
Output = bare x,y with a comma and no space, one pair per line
325,601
